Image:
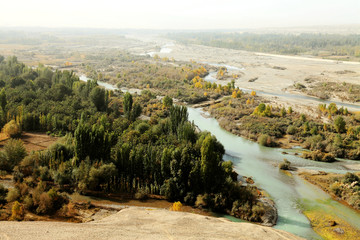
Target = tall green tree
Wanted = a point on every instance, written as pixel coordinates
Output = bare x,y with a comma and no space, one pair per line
167,101
97,96
128,103
3,101
211,159
340,124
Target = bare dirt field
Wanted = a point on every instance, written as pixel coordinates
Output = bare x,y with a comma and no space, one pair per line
34,141
141,223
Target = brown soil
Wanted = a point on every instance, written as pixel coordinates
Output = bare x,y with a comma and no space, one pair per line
286,143
33,141
119,201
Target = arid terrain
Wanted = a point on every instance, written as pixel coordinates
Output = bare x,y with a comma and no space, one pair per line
142,223
275,75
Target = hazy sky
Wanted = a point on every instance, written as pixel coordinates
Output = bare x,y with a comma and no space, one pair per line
180,14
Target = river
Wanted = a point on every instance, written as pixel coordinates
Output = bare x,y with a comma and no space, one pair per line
211,77
289,192
110,86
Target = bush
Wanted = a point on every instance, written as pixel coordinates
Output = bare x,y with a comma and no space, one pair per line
350,178
336,188
189,199
45,204
12,129
17,211
257,211
340,124
354,201
13,195
285,165
28,202
141,194
265,140
176,206
200,201
14,152
142,127
3,193
291,130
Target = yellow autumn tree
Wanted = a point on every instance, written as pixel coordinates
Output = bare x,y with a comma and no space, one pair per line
12,129
238,94
234,94
17,211
176,206
198,85
248,101
253,93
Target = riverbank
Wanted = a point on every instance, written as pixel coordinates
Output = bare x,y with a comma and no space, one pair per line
143,223
327,182
120,201
326,223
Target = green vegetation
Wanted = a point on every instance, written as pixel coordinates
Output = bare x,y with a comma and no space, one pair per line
253,119
106,148
323,45
285,165
347,187
181,80
344,187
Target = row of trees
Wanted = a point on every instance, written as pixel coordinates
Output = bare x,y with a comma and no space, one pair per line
333,44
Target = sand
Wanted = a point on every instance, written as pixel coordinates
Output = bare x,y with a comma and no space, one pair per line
267,68
141,223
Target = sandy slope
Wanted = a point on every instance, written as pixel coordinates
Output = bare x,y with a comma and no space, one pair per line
141,223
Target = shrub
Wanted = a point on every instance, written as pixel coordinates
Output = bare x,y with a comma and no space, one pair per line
190,198
265,140
141,194
350,178
3,193
142,127
176,206
17,211
257,211
12,129
200,201
28,202
299,86
336,188
45,204
285,165
13,195
15,152
354,201
291,130
340,124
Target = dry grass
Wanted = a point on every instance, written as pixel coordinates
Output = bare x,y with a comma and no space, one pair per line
320,222
32,141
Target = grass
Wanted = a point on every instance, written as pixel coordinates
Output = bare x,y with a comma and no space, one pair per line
320,221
